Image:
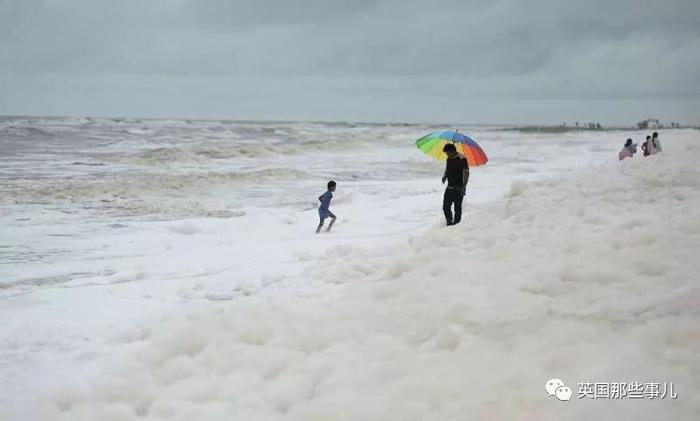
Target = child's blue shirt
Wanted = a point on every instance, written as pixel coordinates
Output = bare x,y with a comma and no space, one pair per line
325,201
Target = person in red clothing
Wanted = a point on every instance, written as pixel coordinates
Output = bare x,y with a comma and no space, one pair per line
628,150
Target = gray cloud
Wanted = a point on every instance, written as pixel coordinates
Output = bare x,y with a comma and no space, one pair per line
384,59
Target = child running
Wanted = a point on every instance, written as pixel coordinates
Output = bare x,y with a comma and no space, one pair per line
323,211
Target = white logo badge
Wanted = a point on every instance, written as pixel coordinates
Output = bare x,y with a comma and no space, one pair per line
556,387
563,393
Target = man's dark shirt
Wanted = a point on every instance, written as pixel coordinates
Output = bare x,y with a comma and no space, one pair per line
454,171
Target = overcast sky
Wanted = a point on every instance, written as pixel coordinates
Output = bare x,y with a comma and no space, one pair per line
471,61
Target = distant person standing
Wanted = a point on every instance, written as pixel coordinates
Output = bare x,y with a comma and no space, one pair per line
646,147
457,176
656,144
628,150
324,208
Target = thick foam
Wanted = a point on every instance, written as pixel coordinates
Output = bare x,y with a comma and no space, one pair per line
586,277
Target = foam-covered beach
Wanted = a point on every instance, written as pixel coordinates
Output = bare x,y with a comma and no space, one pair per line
148,277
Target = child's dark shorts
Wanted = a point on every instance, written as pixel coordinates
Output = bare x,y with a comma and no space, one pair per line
323,214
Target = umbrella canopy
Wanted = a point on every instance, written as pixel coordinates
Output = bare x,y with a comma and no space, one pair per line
433,143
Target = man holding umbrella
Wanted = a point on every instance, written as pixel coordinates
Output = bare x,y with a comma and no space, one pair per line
461,152
457,176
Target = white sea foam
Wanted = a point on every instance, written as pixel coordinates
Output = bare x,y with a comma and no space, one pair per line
587,278
568,264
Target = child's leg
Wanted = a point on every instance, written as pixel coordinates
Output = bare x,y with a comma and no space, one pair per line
331,224
320,225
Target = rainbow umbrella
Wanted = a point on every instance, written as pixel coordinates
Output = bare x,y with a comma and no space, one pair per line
433,143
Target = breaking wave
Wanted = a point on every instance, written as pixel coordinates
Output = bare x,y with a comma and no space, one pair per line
138,186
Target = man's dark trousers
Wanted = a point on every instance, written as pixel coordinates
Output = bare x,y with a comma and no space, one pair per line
452,196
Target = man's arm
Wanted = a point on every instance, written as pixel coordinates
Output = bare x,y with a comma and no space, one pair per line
465,177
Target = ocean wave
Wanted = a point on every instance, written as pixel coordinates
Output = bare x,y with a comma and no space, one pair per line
156,142
203,153
89,164
142,190
26,131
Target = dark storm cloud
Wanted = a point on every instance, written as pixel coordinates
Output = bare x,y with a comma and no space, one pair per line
330,51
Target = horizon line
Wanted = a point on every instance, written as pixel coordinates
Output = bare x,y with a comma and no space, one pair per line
567,125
